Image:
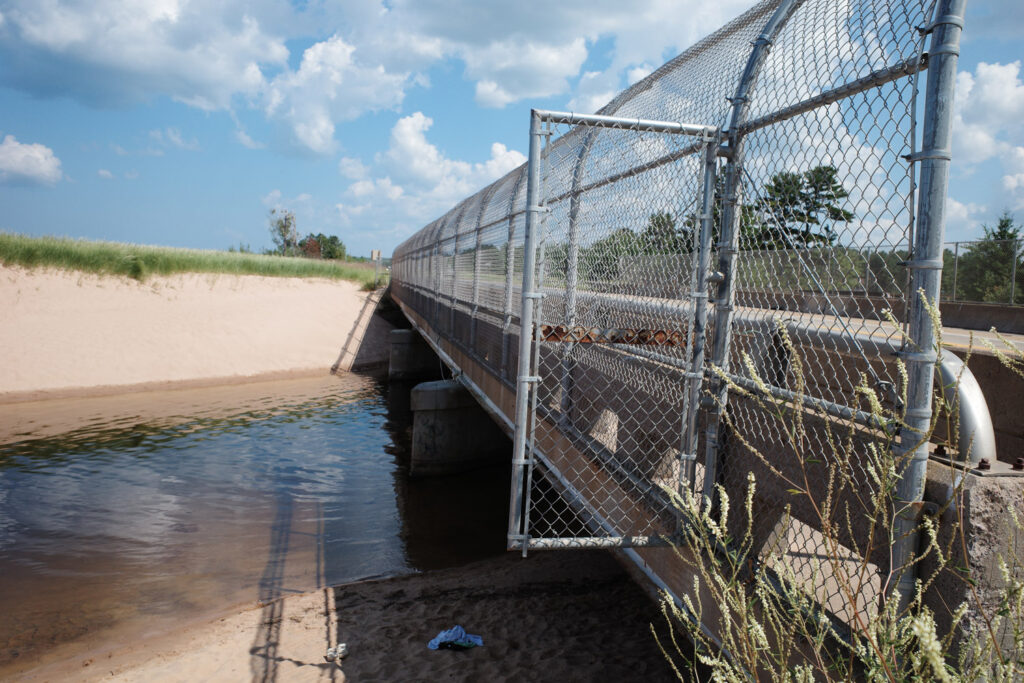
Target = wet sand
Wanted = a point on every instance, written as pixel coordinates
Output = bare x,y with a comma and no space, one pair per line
558,616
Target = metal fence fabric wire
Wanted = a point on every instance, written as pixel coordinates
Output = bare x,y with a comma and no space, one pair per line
772,191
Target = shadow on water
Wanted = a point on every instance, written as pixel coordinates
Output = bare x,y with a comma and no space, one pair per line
271,589
446,520
160,514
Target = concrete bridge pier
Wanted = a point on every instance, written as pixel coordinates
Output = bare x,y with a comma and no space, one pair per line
411,358
451,433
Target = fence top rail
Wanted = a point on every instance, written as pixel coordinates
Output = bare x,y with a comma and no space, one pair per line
627,123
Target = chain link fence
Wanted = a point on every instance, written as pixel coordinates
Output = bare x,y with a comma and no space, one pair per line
984,271
745,216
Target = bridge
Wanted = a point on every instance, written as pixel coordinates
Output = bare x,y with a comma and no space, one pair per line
631,304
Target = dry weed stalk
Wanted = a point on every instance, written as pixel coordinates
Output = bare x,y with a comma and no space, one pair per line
765,620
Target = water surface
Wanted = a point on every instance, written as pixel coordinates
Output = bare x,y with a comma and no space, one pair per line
128,516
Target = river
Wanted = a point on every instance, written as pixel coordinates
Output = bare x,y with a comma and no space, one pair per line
129,516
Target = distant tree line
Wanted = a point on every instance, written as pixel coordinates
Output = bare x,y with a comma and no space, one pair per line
795,211
984,269
287,242
794,222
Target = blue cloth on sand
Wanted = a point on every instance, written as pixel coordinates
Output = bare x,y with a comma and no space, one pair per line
455,638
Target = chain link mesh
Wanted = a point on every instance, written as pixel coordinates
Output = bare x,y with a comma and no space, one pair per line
819,183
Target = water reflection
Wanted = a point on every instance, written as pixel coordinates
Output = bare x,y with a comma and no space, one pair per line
182,504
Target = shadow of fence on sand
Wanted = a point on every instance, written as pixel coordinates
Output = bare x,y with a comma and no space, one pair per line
367,343
265,651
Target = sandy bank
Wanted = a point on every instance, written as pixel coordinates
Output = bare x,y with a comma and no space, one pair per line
556,616
71,334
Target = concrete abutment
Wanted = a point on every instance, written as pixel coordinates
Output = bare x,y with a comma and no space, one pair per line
451,432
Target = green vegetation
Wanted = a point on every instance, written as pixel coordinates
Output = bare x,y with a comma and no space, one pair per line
802,207
983,270
284,232
138,261
806,603
789,238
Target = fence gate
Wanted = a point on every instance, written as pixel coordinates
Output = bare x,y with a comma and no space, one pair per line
616,269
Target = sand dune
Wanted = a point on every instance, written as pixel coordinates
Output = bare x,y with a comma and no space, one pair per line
65,334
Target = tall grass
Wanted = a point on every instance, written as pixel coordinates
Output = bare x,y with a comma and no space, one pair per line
804,605
139,261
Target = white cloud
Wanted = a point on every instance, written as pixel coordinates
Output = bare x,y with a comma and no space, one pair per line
595,89
508,71
246,141
272,199
171,137
639,73
989,126
379,187
353,169
201,52
414,160
963,217
30,163
105,174
217,54
415,181
514,51
989,113
330,86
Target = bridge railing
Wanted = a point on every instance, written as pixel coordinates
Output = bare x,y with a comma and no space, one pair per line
617,280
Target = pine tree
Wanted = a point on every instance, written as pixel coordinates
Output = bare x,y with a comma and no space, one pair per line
799,210
986,266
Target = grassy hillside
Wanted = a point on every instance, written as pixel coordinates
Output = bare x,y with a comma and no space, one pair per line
139,261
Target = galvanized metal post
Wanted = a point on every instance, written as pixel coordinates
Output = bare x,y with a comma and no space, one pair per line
476,268
539,240
1013,270
435,272
926,279
455,279
695,376
867,273
517,534
729,238
956,267
572,272
510,269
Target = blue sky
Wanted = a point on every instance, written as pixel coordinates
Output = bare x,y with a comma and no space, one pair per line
183,122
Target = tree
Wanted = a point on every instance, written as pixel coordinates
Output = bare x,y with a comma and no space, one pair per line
331,247
600,261
310,247
322,246
283,231
801,210
986,266
661,236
